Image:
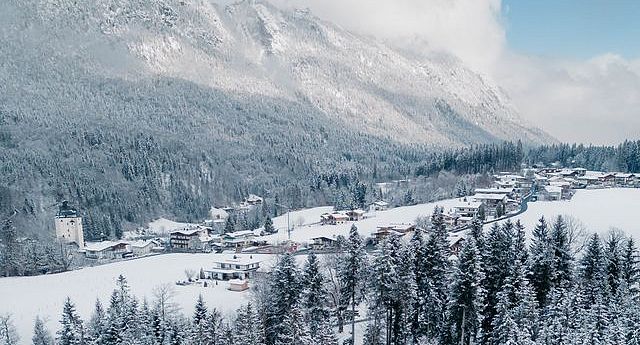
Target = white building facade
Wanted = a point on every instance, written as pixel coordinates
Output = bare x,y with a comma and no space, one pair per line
69,225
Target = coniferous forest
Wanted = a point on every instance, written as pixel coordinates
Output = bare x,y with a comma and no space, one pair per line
555,288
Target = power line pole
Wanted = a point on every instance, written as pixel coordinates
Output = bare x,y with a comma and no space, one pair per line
288,220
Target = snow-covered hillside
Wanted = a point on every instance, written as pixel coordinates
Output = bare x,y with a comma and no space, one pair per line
255,49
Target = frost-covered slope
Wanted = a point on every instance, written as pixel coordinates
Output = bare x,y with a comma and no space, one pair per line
253,48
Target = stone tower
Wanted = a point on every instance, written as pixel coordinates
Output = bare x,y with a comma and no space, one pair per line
69,225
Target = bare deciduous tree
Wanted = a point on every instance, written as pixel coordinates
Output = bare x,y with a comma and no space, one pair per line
189,273
164,295
8,332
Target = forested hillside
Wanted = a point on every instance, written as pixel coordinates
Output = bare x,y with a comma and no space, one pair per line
138,109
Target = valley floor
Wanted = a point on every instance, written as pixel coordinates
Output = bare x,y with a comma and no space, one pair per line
27,297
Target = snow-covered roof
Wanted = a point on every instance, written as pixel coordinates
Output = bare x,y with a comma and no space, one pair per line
624,175
186,232
467,204
323,238
218,213
358,211
142,243
553,189
485,196
253,198
493,191
243,233
380,203
238,281
100,246
238,259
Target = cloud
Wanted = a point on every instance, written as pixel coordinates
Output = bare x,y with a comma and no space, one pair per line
594,101
469,29
589,101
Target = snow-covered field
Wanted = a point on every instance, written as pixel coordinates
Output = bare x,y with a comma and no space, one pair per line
598,209
26,297
311,217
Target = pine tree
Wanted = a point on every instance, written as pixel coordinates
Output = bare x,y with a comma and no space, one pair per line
198,326
96,324
592,273
285,288
314,296
214,328
293,330
437,266
541,262
41,335
351,273
71,332
268,226
630,264
420,309
248,327
561,268
613,266
465,297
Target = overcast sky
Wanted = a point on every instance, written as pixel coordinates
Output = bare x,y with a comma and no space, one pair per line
571,67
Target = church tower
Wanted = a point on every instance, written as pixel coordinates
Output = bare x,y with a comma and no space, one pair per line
69,225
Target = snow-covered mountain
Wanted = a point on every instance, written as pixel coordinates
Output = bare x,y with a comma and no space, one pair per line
254,50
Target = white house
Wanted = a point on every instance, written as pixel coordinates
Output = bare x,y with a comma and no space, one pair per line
379,206
141,247
553,192
467,208
106,249
233,267
333,218
68,225
355,215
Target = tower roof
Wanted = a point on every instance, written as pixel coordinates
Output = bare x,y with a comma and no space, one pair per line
65,210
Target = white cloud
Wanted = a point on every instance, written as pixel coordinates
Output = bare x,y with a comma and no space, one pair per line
592,101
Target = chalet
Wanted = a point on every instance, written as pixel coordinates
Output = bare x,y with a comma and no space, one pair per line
218,219
238,239
570,173
323,242
355,215
467,208
139,248
541,180
564,185
238,285
399,229
106,249
233,267
490,200
622,179
552,193
588,180
580,171
547,171
379,206
253,200
187,239
333,218
607,179
451,219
